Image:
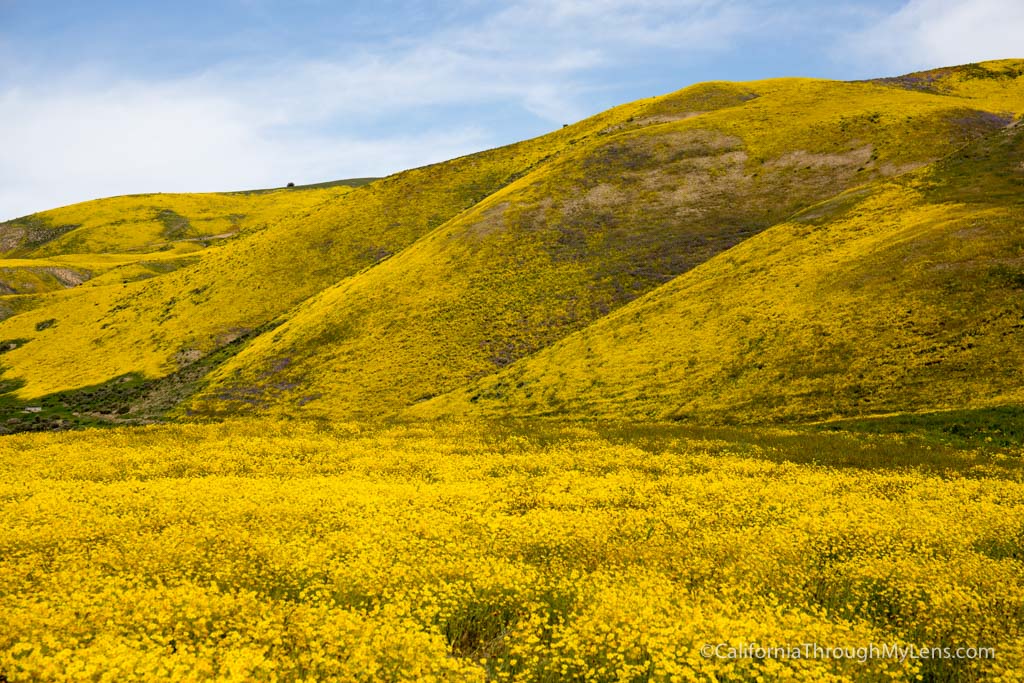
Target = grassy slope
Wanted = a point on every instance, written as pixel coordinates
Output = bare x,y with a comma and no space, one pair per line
156,326
617,216
907,296
130,238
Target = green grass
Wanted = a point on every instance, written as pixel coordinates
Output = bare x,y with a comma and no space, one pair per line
986,428
981,443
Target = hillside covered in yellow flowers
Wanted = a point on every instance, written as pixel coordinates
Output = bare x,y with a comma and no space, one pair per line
782,250
733,368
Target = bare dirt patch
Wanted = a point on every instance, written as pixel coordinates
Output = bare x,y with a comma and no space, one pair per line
25,234
650,121
66,276
490,221
803,159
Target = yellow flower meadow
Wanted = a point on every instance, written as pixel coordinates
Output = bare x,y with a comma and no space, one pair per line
288,551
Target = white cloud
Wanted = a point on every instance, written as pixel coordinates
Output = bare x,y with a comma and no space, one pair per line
92,132
74,144
930,33
367,86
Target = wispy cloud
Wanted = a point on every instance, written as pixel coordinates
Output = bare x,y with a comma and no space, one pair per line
928,33
79,142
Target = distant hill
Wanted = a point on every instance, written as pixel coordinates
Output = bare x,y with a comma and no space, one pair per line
788,249
131,237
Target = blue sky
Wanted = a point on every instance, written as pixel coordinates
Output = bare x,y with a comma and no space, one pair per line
105,98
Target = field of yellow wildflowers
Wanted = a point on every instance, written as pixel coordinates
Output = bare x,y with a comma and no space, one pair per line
293,551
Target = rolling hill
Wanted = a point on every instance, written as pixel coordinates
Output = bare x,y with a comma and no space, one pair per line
256,275
787,249
695,174
905,295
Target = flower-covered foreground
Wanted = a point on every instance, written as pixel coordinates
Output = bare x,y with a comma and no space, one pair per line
291,551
